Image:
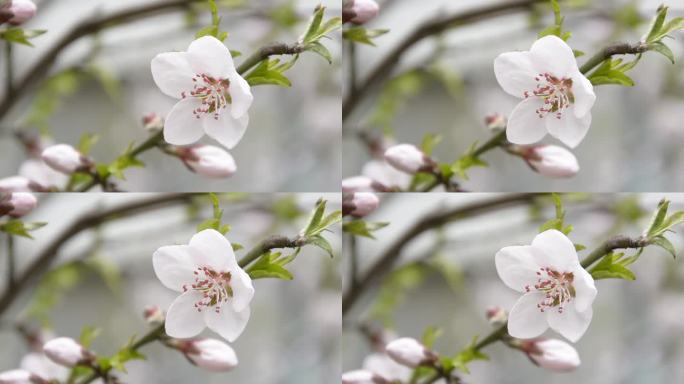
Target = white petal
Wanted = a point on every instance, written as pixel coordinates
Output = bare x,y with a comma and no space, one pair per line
212,249
207,55
243,290
183,320
227,323
585,289
524,125
569,129
516,266
173,266
558,252
552,55
181,126
571,323
172,73
526,321
515,72
584,94
226,130
240,94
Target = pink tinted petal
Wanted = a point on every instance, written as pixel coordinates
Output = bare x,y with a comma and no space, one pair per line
526,321
569,129
207,55
212,249
554,56
524,126
571,323
515,73
584,94
585,290
227,323
173,266
557,251
226,130
172,73
240,94
181,126
516,266
243,290
183,320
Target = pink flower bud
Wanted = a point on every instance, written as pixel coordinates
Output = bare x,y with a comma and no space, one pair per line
495,121
409,352
64,158
359,376
154,315
211,354
362,11
153,122
359,204
22,11
357,184
208,160
15,184
497,315
65,351
22,203
16,376
552,354
552,161
407,158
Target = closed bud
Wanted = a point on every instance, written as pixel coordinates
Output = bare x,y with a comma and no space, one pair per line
408,158
22,11
22,203
551,161
552,354
65,159
15,184
359,204
154,315
66,351
153,122
19,376
495,122
409,352
357,184
209,161
497,316
362,376
360,11
210,354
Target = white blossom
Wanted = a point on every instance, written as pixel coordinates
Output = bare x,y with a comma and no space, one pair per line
554,355
64,158
407,158
212,355
552,161
65,351
409,352
210,161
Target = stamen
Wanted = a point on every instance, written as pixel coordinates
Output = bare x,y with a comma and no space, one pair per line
213,93
556,286
214,286
556,94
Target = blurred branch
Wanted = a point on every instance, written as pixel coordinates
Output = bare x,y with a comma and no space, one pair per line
609,51
430,28
90,26
266,52
386,259
11,262
9,69
87,221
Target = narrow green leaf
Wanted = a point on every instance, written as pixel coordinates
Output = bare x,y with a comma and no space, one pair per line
663,49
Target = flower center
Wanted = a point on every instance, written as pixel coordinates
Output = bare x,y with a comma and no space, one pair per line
556,286
214,287
213,93
556,93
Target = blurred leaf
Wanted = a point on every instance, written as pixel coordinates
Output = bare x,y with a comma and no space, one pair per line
363,35
20,36
363,228
468,355
430,141
19,228
393,290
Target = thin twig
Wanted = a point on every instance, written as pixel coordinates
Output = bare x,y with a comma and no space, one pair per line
266,52
615,49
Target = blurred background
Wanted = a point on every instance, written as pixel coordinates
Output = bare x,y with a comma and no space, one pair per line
446,85
292,142
447,278
104,278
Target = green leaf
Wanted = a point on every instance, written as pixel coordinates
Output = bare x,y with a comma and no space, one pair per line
266,267
88,334
19,228
673,25
363,35
611,267
314,25
612,77
321,50
362,228
467,161
663,49
315,217
467,355
19,35
430,141
656,24
658,217
86,142
665,244
430,336
269,72
322,243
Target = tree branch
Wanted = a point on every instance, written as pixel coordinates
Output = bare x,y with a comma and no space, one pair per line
272,242
266,52
608,52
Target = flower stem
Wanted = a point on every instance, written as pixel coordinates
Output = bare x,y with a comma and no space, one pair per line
272,242
616,49
490,144
267,51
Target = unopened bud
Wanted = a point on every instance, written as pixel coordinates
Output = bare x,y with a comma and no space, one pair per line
65,158
153,122
408,158
552,161
496,315
360,11
22,203
409,352
360,376
210,354
19,376
552,354
495,121
22,11
357,184
66,351
208,160
154,315
359,204
15,184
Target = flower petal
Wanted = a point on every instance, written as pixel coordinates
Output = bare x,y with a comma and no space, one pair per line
227,323
524,125
584,94
181,126
552,55
526,321
241,95
226,130
183,320
172,73
571,323
569,129
243,290
557,251
173,266
515,73
210,248
207,55
516,266
585,289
